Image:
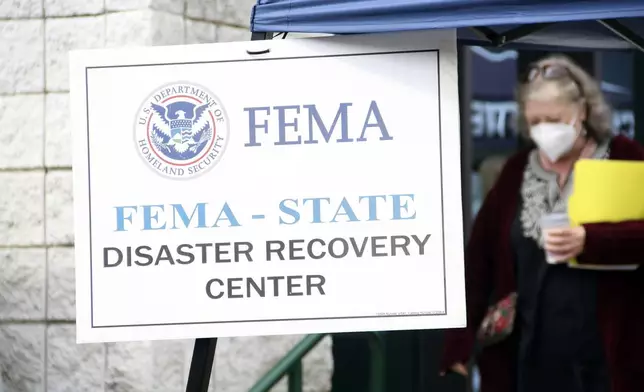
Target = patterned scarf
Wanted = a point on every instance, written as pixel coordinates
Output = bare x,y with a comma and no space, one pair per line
541,193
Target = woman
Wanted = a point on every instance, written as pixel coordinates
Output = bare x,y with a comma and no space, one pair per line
575,330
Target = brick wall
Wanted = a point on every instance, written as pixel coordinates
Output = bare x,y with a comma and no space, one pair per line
37,334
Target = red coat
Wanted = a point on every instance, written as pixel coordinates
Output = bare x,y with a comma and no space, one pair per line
489,274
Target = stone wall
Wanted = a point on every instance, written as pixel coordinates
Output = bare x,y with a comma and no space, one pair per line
37,335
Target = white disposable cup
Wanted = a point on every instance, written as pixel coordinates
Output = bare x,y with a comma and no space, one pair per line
557,220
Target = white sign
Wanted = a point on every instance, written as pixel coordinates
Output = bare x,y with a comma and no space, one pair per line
271,187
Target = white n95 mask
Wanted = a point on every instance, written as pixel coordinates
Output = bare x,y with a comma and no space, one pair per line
554,139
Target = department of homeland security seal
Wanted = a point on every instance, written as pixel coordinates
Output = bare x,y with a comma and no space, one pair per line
181,131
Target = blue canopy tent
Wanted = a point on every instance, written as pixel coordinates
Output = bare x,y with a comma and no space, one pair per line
589,24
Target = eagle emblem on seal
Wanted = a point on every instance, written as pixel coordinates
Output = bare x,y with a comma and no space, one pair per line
181,129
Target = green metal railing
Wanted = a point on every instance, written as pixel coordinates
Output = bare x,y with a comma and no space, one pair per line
291,365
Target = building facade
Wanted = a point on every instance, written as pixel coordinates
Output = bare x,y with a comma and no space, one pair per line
37,308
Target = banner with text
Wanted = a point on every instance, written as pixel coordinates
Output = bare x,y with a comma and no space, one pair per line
268,187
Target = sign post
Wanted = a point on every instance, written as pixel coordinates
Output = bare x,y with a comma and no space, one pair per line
267,187
203,357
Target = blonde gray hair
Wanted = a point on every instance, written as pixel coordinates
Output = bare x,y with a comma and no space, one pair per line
577,87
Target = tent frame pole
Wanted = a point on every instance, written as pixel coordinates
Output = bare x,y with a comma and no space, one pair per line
502,39
623,32
512,35
486,32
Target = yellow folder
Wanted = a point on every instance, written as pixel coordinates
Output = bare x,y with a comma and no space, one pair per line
606,191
